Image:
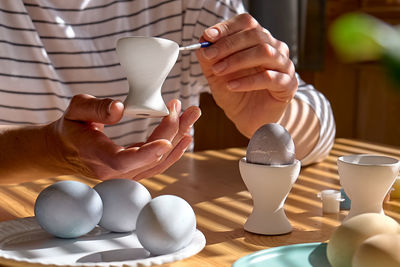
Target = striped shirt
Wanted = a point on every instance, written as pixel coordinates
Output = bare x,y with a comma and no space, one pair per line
53,50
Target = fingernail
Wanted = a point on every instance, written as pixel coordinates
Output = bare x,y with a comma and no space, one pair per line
219,67
212,32
210,52
233,85
174,110
118,104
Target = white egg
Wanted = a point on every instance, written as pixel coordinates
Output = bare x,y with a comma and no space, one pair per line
271,144
68,209
166,224
122,201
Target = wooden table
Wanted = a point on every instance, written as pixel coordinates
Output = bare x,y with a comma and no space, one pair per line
211,183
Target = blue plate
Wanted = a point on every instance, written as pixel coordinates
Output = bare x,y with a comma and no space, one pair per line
299,255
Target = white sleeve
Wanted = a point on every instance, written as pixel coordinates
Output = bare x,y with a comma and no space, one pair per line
323,110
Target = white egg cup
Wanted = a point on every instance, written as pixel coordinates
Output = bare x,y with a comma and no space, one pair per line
367,179
269,186
147,62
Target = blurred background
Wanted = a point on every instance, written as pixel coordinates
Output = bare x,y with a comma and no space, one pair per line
365,102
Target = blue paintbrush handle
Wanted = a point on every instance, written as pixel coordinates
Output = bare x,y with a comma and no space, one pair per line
195,46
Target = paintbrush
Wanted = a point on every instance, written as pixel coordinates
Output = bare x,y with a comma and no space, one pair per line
194,46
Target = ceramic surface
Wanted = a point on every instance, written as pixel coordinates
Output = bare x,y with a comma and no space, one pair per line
147,62
298,255
166,224
122,201
269,185
24,243
68,209
367,179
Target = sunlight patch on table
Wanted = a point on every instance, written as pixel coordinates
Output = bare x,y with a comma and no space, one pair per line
165,178
305,200
222,212
241,152
245,194
153,185
237,204
318,182
195,156
294,209
211,225
221,155
322,173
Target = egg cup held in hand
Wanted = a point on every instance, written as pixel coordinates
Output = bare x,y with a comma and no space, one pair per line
147,62
269,185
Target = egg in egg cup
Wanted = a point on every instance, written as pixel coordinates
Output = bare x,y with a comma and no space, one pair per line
269,186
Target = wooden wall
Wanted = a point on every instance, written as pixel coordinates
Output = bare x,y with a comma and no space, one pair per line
365,103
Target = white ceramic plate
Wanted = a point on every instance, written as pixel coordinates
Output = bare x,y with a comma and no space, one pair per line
24,243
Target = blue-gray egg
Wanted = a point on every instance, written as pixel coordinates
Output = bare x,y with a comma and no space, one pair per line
122,201
68,209
271,144
166,224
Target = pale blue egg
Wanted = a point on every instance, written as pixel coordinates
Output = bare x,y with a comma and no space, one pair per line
122,201
271,144
68,209
165,225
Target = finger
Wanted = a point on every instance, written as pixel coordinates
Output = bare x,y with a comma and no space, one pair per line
174,156
139,157
238,23
105,158
88,108
136,144
281,86
169,125
236,42
186,121
263,55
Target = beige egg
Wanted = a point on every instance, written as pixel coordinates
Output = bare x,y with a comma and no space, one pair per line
378,250
347,238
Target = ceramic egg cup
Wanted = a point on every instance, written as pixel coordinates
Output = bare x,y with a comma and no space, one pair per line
269,185
366,179
147,62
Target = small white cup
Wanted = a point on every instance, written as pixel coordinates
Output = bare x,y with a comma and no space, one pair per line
330,200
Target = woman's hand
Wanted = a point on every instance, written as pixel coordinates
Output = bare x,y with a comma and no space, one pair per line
249,72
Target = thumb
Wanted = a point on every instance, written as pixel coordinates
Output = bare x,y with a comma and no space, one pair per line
91,109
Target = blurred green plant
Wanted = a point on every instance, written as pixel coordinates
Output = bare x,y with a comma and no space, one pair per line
361,37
